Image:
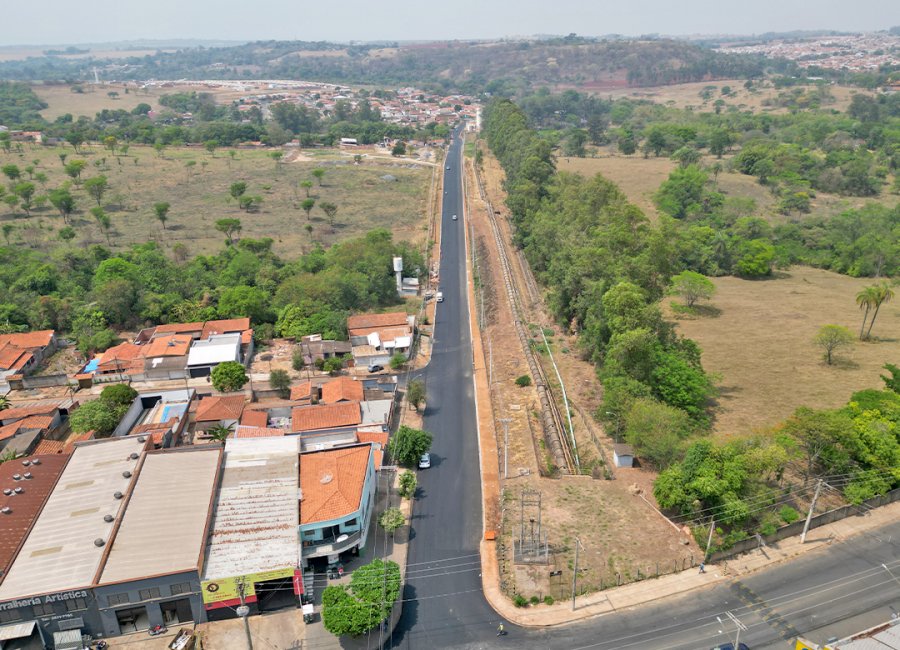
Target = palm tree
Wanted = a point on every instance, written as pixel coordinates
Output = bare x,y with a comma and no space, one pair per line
865,299
219,433
882,293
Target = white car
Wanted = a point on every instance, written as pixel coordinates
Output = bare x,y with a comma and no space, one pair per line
454,217
425,461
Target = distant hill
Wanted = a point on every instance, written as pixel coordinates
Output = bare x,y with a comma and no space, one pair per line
500,66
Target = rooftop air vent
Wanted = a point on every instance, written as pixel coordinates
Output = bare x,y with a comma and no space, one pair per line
7,491
6,510
99,542
26,463
27,475
326,478
126,474
117,495
36,461
18,490
108,518
17,477
133,456
142,439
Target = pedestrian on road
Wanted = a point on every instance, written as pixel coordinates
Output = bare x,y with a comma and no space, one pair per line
702,568
500,630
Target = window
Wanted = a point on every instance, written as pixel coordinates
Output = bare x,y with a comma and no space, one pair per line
43,610
147,594
75,604
350,522
10,616
180,588
118,599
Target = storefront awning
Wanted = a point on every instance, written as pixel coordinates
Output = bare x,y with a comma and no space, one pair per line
16,631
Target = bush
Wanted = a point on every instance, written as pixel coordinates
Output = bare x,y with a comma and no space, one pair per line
520,601
408,484
548,600
297,362
280,380
535,600
523,381
788,515
332,365
397,361
767,528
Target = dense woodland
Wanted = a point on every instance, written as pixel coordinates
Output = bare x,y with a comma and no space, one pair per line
465,67
606,267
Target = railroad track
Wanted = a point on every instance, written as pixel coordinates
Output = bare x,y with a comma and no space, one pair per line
552,420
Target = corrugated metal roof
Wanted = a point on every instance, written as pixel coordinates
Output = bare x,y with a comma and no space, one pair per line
60,552
163,527
254,527
216,349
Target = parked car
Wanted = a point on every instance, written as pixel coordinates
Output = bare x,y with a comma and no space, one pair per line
375,368
454,217
730,646
448,167
425,463
439,296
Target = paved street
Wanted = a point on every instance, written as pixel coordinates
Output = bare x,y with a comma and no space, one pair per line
833,592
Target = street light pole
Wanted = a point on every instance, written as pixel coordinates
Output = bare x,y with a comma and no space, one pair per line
243,611
505,422
575,573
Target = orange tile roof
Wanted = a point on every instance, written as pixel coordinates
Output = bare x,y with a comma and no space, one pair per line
214,409
36,422
255,418
38,339
224,326
325,416
49,447
380,438
169,345
13,357
374,321
256,432
120,353
392,333
302,390
342,389
246,337
9,430
178,328
80,437
332,482
17,413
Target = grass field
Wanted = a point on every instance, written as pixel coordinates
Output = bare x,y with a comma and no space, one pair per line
640,177
199,196
760,344
688,95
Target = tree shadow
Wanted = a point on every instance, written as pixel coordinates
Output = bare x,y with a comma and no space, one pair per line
843,363
408,619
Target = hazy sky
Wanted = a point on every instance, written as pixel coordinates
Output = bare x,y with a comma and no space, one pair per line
83,21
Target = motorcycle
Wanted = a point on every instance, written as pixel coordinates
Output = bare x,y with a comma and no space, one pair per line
156,630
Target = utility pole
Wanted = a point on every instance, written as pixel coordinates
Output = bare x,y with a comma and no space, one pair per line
505,422
491,364
575,573
243,611
712,527
812,506
738,626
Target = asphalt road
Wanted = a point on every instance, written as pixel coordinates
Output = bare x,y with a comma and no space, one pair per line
834,592
444,605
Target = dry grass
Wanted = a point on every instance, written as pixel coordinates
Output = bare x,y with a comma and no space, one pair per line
199,196
688,95
760,344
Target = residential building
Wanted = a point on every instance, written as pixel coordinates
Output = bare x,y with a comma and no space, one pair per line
162,415
206,354
337,489
341,389
325,417
313,348
23,427
21,353
218,410
375,338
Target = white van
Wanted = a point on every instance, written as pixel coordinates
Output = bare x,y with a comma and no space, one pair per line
439,296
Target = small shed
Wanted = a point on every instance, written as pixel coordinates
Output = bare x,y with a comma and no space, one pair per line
623,455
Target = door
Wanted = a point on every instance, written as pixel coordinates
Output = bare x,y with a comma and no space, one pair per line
176,611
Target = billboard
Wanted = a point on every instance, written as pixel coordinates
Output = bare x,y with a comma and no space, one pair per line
225,592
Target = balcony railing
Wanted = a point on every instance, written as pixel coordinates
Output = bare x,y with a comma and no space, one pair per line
331,546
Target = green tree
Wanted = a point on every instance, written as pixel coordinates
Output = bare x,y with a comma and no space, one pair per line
74,169
307,186
415,393
692,286
162,212
229,227
831,338
330,210
756,258
892,383
398,360
686,155
333,365
307,205
318,173
25,192
103,414
229,376
408,445
97,187
103,222
63,201
243,300
391,520
399,149
818,435
237,189
365,603
210,146
657,431
280,380
11,171
683,192
408,485
219,432
118,394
